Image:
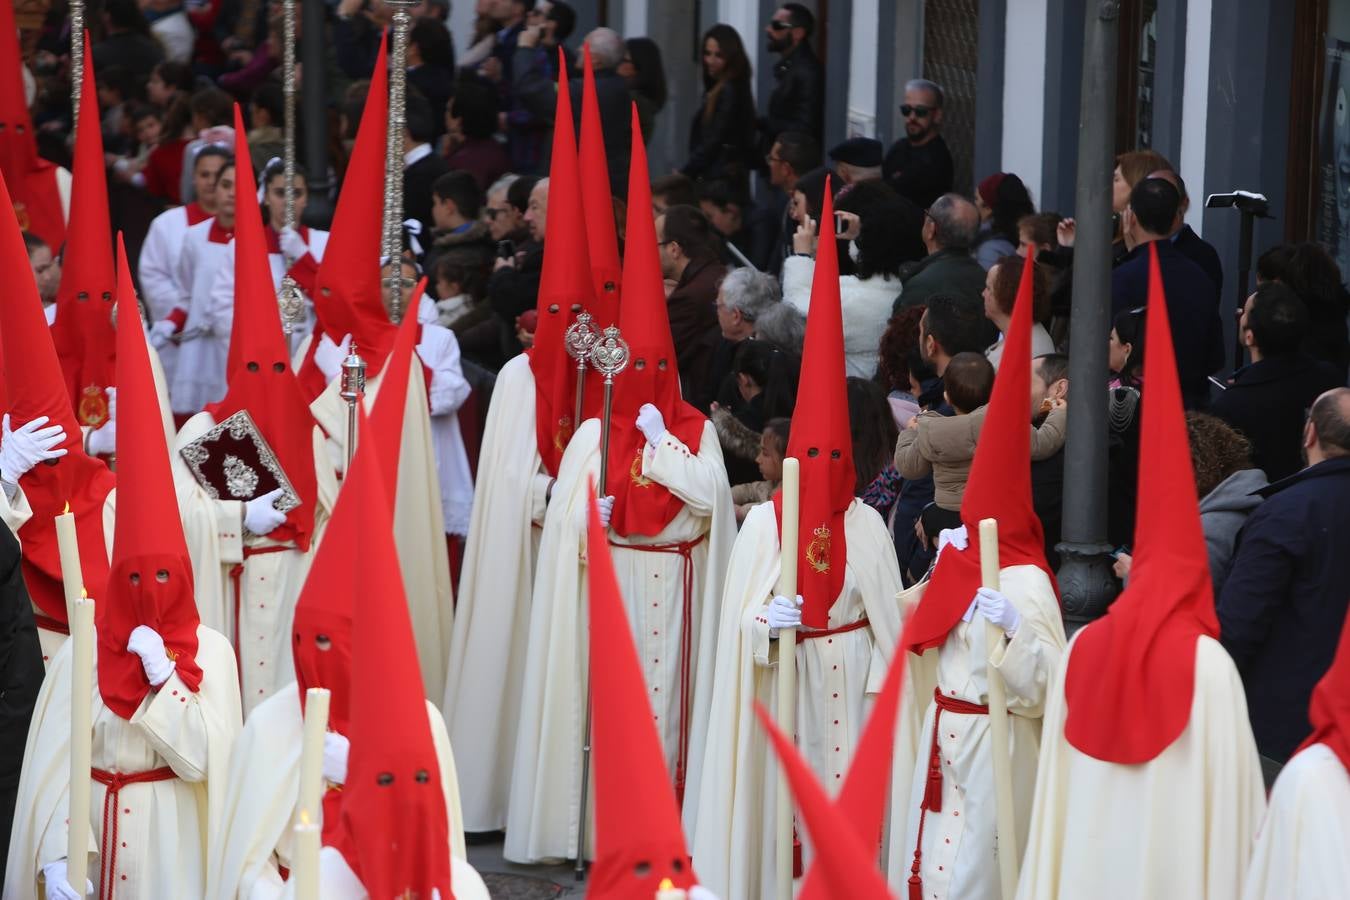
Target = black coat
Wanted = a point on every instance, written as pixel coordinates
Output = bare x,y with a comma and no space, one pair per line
919,174
1282,608
21,673
1268,401
616,120
798,99
722,145
417,198
1202,253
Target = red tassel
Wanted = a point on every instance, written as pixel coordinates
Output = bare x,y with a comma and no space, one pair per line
932,789
798,869
915,882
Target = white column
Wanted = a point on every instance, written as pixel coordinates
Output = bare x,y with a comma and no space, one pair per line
743,15
1195,107
862,71
1024,93
635,18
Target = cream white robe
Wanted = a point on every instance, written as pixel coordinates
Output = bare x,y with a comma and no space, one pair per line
254,835
259,626
158,272
959,847
439,352
344,885
1180,825
1300,851
162,826
419,530
488,643
731,804
221,297
199,373
546,777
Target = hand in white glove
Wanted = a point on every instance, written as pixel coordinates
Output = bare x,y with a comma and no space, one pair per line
31,444
260,516
783,613
146,643
160,332
57,884
293,246
605,505
328,356
651,423
103,440
954,537
335,749
997,608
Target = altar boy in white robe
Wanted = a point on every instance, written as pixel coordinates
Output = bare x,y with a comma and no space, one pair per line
166,692
669,511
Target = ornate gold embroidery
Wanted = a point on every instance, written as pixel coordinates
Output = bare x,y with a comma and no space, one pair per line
818,551
635,472
563,434
93,409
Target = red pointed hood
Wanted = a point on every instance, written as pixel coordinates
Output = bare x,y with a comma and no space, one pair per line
1136,665
821,441
386,419
565,289
35,199
395,830
641,506
36,387
597,202
999,487
258,370
847,867
347,286
83,331
636,816
862,802
150,582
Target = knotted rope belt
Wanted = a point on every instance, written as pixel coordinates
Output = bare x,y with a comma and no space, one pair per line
115,781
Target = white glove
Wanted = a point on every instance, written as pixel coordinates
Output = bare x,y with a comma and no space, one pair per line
58,888
651,423
146,643
160,332
31,444
606,507
783,613
335,749
328,356
997,608
260,516
293,246
955,537
103,440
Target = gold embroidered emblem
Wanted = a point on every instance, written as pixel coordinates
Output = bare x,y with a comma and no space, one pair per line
171,654
93,409
635,472
563,434
818,551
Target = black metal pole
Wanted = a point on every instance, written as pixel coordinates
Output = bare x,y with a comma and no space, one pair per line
1244,269
1085,579
314,114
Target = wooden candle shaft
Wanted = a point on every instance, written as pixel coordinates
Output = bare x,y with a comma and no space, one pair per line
81,741
998,722
787,668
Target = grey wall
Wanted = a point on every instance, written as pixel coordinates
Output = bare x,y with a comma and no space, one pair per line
1063,96
1169,80
989,88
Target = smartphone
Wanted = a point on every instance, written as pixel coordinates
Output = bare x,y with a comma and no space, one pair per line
1120,551
506,249
839,225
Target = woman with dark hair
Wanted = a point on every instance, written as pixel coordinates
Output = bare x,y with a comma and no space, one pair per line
645,74
722,136
1000,294
808,194
1002,200
1126,360
874,434
766,382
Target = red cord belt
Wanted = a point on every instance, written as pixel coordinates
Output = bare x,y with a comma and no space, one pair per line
932,790
831,632
115,781
47,623
236,576
685,550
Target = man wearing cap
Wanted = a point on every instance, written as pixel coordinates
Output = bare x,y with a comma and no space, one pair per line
919,165
857,159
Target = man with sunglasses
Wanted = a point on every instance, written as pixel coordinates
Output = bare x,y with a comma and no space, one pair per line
798,99
919,165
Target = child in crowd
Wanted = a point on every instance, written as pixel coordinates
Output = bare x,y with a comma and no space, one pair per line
772,445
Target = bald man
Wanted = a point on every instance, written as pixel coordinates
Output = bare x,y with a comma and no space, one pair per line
611,94
950,227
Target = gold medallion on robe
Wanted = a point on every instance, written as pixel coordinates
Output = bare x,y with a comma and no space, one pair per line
563,434
818,551
635,471
93,409
21,213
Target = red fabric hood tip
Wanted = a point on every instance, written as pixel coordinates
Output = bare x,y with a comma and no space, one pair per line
821,441
565,289
845,865
394,825
386,417
258,369
597,203
83,332
1136,665
1329,710
347,297
999,487
641,506
33,193
150,581
36,387
636,816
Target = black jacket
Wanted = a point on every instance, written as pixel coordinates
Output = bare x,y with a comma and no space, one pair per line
1268,402
798,99
512,291
919,174
21,673
723,145
417,182
1202,253
616,120
1283,606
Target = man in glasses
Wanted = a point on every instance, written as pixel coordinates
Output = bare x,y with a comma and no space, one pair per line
798,100
919,165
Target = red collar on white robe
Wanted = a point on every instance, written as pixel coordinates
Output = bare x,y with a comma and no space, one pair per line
195,213
218,234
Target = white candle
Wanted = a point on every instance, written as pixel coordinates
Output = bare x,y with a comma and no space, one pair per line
787,668
305,858
81,740
668,891
311,752
68,550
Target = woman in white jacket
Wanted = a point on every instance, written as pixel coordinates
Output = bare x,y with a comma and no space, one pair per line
883,233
